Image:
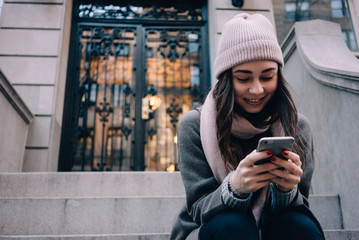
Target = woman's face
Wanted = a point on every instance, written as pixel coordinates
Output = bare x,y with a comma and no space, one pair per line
254,84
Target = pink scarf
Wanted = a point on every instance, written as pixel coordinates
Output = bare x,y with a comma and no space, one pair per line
241,128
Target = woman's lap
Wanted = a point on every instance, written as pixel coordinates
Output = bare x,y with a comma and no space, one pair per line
293,225
229,225
235,225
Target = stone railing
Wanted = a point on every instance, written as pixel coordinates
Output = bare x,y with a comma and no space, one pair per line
15,118
324,75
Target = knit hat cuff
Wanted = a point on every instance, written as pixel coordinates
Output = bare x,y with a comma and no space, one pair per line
246,52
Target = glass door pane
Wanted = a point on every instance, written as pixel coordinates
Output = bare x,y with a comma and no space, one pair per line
172,82
105,127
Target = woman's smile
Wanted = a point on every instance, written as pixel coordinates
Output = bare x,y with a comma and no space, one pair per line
253,105
254,102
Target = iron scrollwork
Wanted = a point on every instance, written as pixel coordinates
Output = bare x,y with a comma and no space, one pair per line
174,111
151,95
127,90
129,11
104,112
172,54
106,65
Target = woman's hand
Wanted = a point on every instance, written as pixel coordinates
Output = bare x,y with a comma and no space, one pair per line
248,177
287,179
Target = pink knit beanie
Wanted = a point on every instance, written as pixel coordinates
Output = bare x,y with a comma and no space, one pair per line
246,38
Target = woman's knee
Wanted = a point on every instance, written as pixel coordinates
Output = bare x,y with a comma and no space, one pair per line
297,220
235,221
230,225
295,225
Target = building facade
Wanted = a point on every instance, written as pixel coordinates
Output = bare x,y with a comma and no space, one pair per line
106,82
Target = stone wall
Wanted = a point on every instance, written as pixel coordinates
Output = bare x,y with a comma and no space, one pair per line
15,118
324,74
34,41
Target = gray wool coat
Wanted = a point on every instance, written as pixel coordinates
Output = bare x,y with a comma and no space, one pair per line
204,195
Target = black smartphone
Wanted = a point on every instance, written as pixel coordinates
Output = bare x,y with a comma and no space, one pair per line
276,145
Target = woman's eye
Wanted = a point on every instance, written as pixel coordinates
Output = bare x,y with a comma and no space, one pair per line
242,79
266,78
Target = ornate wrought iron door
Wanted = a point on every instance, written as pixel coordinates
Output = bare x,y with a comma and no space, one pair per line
128,87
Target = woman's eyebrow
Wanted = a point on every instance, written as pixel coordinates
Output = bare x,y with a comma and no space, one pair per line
242,71
250,72
269,69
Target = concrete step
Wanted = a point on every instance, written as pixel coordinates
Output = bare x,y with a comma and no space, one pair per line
91,184
72,216
342,234
328,210
109,205
92,237
329,235
115,215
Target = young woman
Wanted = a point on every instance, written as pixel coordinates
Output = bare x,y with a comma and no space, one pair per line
228,196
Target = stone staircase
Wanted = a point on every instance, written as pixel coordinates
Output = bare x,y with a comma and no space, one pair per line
111,205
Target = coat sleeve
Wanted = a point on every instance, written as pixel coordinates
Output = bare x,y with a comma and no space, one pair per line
203,192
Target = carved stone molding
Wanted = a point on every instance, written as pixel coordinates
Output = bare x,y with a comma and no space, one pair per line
15,100
324,53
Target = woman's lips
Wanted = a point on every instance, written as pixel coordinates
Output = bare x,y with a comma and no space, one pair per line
257,101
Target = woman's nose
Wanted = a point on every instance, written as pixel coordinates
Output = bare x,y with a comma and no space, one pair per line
256,87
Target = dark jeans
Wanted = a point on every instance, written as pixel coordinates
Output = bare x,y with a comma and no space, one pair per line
233,225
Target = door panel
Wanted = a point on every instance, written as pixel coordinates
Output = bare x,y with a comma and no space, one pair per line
133,72
106,79
172,74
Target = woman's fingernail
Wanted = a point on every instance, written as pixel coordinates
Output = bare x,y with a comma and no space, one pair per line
285,153
269,153
273,159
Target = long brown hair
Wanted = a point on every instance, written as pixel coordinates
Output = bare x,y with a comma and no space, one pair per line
281,107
